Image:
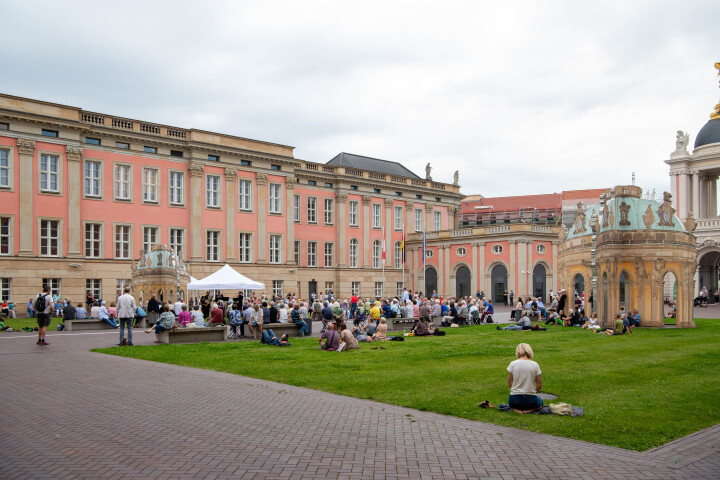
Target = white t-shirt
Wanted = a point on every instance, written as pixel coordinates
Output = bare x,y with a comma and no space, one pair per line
283,315
197,317
524,373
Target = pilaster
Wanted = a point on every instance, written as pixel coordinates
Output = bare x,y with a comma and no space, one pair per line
428,217
261,217
481,266
26,219
195,197
366,231
74,178
340,226
409,208
290,183
388,234
230,232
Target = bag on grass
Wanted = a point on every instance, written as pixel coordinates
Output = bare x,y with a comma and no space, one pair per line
439,333
561,408
397,339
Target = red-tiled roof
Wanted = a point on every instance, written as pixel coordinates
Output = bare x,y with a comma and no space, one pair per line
592,193
548,200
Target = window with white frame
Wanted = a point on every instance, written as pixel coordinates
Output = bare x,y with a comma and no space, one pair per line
6,289
177,241
93,240
245,195
49,238
397,258
311,209
4,168
296,251
329,288
150,185
120,284
296,207
378,289
55,286
437,219
329,254
376,213
277,288
4,236
399,289
245,247
328,211
49,173
212,245
398,217
94,286
312,254
461,251
540,249
497,249
376,254
355,288
275,198
353,252
122,241
93,180
418,220
150,237
275,248
353,213
122,182
177,188
212,191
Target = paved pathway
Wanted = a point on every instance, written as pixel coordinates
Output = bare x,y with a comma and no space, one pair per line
70,413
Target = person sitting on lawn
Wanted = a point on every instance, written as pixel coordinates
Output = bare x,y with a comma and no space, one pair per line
381,330
331,337
525,381
627,323
420,329
346,336
634,318
375,311
555,318
567,320
269,338
165,322
592,323
523,324
618,329
361,335
104,315
297,319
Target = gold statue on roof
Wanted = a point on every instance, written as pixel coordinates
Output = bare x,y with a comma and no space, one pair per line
716,112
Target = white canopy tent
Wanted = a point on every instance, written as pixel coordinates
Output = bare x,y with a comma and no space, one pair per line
227,278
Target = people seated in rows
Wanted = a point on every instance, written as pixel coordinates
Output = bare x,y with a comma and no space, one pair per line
269,338
104,315
346,336
436,312
462,314
166,321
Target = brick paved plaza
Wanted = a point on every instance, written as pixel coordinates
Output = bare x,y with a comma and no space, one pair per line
71,413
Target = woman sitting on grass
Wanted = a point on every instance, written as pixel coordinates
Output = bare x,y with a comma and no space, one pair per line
381,331
592,322
165,322
619,327
524,380
346,336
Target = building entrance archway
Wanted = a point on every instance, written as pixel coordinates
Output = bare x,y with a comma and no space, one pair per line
430,281
579,284
498,282
708,272
462,282
539,281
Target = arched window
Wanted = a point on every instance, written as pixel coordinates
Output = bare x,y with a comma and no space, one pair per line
353,253
376,254
398,255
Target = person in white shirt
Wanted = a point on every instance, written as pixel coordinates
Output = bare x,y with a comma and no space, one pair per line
177,307
197,316
524,380
282,313
126,314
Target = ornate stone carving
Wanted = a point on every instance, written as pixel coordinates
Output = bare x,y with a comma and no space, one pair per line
580,218
690,223
290,183
681,142
74,152
428,169
666,212
640,270
366,199
230,174
708,242
26,147
689,269
456,178
428,208
196,169
611,217
409,205
648,217
624,212
262,178
658,268
341,197
388,202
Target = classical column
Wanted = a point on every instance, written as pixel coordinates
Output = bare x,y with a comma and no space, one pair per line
446,256
290,183
428,218
696,195
341,226
522,262
473,268
261,214
512,267
455,218
366,231
682,202
409,209
195,198
74,179
481,266
441,270
389,248
26,220
230,232
713,197
554,285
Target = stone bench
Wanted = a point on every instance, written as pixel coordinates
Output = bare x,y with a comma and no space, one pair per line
399,323
194,334
85,324
280,328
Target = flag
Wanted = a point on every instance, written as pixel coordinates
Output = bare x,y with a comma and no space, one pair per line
383,247
423,249
402,247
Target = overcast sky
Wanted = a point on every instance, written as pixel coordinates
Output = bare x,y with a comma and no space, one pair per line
520,97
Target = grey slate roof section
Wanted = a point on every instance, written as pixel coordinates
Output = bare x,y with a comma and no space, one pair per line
708,134
373,164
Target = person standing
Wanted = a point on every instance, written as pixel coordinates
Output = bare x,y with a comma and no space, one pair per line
45,301
126,314
512,298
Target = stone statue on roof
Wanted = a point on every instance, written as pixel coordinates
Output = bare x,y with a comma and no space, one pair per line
456,178
681,142
428,169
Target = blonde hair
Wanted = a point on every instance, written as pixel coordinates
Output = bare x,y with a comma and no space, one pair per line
382,320
523,350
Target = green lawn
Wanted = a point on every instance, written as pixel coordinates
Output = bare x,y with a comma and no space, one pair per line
19,323
638,391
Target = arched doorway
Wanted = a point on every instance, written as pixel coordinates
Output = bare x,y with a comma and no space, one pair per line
462,282
623,290
430,281
579,284
498,282
539,277
708,272
669,291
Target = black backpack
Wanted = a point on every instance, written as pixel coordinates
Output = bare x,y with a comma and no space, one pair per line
40,303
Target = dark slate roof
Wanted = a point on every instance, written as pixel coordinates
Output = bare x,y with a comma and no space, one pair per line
708,134
373,164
